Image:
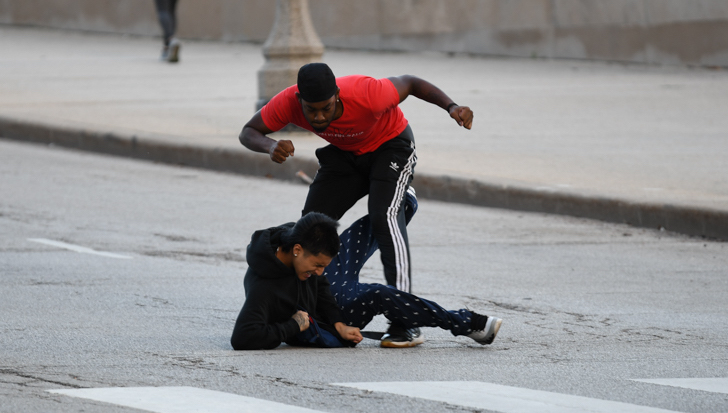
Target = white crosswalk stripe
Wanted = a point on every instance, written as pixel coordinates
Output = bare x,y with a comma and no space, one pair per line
181,400
501,398
472,394
713,385
77,248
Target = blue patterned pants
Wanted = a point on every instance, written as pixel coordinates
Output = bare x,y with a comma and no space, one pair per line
360,302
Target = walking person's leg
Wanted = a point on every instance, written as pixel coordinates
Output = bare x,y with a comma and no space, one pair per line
166,13
166,20
173,13
174,44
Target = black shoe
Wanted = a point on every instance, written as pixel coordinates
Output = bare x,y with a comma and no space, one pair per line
484,328
398,336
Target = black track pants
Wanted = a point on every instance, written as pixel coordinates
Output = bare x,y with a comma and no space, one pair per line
385,174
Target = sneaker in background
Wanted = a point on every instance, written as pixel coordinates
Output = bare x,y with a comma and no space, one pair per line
173,51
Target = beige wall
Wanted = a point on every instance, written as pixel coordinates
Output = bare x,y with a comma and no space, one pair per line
229,20
693,32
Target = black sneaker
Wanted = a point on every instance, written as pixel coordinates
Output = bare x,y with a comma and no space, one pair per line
398,336
484,328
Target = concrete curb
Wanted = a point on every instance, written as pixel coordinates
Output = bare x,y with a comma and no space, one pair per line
151,149
688,220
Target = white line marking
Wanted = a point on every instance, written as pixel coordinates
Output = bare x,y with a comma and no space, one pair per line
500,398
181,400
77,248
714,385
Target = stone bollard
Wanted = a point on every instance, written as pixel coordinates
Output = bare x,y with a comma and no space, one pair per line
292,43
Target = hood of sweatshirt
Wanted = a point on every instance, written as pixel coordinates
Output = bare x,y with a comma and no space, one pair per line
268,276
261,253
268,280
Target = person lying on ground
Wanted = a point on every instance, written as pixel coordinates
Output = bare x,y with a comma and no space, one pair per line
288,298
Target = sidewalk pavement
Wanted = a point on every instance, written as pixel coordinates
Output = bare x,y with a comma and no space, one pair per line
643,145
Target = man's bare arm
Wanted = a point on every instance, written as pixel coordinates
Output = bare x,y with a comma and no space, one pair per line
408,85
253,136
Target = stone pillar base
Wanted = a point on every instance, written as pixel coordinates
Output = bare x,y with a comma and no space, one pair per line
292,43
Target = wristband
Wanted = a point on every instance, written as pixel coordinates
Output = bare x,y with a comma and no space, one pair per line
449,106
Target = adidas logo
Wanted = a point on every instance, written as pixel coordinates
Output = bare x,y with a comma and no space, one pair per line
394,166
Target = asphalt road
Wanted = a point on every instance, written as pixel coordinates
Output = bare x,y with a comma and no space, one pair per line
588,307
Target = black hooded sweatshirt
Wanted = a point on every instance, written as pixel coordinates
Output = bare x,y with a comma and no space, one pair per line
273,293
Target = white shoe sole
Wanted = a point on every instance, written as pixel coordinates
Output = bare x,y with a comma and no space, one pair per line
492,325
496,327
403,344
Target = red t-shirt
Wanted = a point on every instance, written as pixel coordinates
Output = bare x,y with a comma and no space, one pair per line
371,114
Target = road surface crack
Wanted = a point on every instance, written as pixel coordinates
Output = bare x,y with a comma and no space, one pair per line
34,379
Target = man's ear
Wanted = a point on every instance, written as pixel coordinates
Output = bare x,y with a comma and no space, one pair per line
297,250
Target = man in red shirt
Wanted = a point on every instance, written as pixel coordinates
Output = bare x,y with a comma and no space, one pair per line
371,152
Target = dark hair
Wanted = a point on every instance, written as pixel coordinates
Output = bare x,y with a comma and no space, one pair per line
316,233
316,82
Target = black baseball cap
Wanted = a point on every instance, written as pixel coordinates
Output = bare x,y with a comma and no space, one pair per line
316,82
